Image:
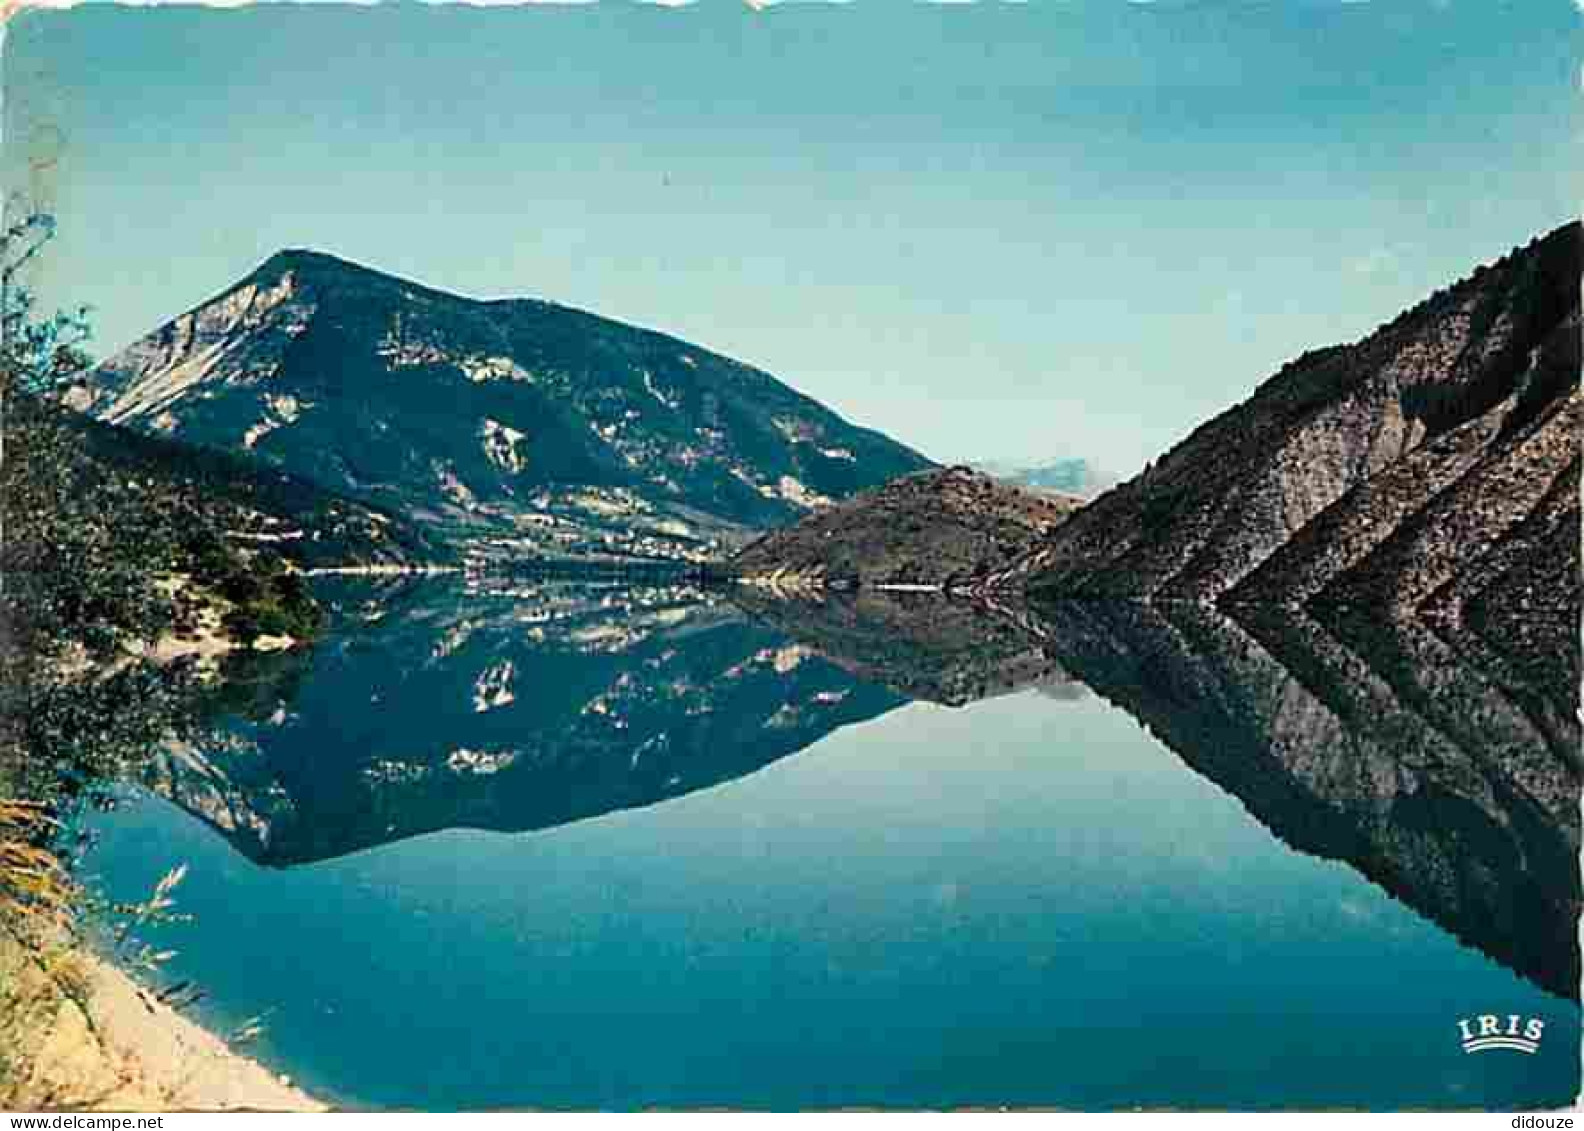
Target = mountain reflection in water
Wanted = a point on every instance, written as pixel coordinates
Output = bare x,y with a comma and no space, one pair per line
527,706
1452,784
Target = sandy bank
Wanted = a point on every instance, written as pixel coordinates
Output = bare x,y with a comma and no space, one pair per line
105,1044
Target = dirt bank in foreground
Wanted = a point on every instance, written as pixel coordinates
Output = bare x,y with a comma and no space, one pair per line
96,1040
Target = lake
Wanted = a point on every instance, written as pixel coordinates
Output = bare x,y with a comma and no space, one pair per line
564,845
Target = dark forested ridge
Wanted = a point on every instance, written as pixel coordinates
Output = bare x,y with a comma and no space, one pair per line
103,512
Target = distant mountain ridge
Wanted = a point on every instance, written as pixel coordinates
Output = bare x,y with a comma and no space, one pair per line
534,428
1426,466
1070,476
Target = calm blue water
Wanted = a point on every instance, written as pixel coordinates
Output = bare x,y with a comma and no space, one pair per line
1026,901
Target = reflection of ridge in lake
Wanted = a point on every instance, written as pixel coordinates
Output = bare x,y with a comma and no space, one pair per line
1454,787
530,708
948,652
1446,774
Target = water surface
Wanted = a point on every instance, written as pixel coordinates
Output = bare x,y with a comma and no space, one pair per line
689,859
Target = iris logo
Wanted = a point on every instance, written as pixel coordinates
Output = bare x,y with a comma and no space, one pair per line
1487,1032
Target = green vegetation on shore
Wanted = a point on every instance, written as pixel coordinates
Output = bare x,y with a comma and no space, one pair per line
127,564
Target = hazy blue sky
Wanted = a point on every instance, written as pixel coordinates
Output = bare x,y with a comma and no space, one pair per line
1016,230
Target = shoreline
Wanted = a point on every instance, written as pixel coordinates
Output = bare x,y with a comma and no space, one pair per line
102,1042
380,570
186,1066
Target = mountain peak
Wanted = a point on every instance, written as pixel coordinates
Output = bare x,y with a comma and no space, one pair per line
558,432
287,255
316,263
322,269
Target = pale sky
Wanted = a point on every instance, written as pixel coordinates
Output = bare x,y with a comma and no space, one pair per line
1018,231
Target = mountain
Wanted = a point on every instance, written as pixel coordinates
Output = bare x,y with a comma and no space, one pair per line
532,428
1429,463
1072,476
937,528
520,706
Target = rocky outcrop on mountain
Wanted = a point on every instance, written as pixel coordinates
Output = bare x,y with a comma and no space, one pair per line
1453,786
943,529
528,705
1380,472
921,645
1466,512
526,427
